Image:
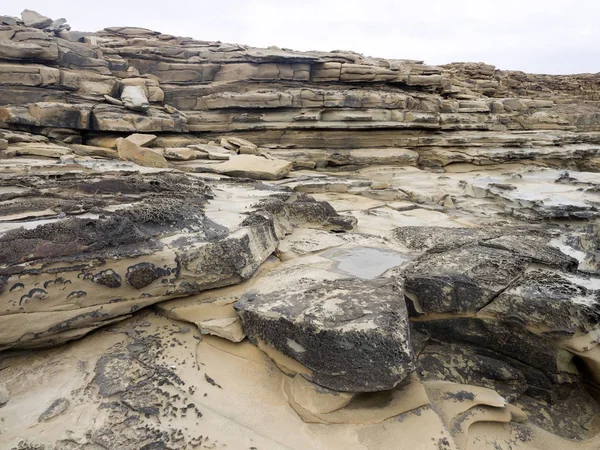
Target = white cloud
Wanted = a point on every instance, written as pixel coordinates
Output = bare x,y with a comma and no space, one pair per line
531,35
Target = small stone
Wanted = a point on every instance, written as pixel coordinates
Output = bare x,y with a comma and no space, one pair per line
134,98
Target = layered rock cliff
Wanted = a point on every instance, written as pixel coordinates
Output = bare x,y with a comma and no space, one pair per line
209,245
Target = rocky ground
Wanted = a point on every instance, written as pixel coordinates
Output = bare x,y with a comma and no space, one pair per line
208,245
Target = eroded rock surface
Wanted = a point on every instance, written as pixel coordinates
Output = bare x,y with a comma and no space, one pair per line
418,268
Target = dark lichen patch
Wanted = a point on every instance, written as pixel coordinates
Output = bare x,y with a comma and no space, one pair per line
58,280
108,278
69,238
152,204
33,294
142,274
211,381
76,294
16,287
460,396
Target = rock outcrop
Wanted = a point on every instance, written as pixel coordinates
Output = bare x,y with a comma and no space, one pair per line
264,248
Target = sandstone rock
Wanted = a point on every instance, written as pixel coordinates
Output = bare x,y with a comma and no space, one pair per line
129,151
134,98
210,255
213,152
8,20
34,149
34,19
113,118
241,146
352,335
142,140
90,150
502,292
255,167
180,154
56,408
226,328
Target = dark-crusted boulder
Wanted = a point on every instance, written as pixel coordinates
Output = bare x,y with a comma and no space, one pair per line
462,279
352,334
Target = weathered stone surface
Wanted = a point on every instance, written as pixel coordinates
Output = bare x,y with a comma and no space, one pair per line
462,279
552,300
473,190
143,270
352,335
35,149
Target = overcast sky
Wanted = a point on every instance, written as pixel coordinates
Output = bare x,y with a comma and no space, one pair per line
542,36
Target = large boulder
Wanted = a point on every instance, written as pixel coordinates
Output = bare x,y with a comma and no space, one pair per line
351,334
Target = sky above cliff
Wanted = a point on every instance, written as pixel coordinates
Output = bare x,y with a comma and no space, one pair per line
541,36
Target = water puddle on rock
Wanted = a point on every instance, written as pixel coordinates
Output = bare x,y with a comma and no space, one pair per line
364,262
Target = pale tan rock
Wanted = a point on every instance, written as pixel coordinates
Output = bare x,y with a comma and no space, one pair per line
93,151
255,167
226,328
180,154
314,398
143,140
35,149
113,101
129,151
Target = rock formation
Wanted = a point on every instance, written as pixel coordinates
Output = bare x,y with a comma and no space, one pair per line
209,245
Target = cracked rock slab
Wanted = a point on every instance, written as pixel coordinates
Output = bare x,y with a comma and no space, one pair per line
462,279
555,301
